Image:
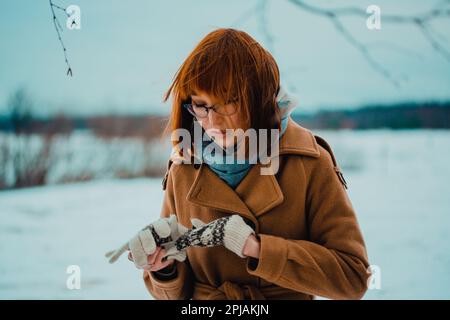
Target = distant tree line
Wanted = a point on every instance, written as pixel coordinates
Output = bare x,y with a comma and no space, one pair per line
144,127
399,116
412,115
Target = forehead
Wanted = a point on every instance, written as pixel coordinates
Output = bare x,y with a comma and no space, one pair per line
202,95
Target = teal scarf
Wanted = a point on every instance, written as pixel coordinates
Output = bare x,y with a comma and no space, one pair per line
233,173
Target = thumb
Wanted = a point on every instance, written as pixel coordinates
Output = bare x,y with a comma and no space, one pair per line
173,253
197,223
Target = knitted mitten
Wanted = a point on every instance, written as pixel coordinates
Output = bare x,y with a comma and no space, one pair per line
230,231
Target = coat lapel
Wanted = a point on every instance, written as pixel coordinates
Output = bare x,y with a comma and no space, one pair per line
257,194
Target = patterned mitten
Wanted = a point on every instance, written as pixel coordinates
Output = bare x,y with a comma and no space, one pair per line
161,233
230,231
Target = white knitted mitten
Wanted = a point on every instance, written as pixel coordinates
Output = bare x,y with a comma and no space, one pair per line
230,231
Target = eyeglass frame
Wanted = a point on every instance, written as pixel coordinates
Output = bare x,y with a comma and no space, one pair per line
189,108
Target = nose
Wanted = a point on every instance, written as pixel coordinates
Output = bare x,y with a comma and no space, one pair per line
214,118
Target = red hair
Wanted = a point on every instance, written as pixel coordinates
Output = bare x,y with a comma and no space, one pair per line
229,65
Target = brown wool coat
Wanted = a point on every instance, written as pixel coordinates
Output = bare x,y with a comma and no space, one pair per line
311,243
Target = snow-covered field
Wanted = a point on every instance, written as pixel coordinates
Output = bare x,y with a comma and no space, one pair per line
398,182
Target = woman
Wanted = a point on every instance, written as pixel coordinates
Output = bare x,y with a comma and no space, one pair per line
288,235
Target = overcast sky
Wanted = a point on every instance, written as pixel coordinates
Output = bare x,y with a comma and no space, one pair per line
127,52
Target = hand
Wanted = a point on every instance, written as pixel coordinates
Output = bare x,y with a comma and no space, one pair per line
252,247
161,233
154,261
231,232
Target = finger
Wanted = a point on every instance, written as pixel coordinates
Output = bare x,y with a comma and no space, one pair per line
138,253
197,223
163,257
172,217
147,240
158,263
180,256
130,256
162,228
114,255
151,259
160,266
160,255
174,255
174,225
109,253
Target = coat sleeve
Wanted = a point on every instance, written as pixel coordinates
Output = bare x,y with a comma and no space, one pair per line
333,262
180,286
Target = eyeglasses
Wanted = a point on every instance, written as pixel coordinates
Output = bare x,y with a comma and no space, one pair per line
201,111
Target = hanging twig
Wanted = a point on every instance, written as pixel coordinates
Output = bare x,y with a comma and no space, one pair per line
59,29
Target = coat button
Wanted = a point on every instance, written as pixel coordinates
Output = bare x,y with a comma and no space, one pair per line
197,165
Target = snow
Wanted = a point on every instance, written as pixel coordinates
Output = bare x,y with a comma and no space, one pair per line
397,183
399,191
44,230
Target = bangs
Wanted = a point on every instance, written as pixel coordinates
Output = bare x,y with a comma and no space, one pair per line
213,74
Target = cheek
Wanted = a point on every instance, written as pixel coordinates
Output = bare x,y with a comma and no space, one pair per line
204,123
238,122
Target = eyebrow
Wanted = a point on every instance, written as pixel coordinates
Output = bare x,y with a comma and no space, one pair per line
197,99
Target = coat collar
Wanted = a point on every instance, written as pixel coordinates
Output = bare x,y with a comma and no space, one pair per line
247,199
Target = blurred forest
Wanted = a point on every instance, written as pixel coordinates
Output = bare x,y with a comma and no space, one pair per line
62,148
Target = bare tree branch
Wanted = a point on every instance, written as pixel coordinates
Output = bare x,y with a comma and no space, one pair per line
59,29
428,34
421,21
439,10
438,34
364,51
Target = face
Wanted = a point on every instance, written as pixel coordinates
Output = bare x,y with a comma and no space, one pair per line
215,124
